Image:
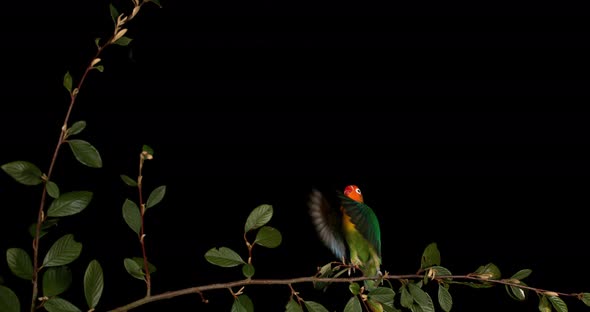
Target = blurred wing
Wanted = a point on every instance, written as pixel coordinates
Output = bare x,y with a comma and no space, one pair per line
364,219
328,223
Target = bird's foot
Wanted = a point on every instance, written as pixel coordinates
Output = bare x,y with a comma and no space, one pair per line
380,279
353,267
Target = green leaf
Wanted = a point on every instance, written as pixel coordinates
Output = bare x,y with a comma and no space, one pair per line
421,297
258,217
68,81
242,304
237,307
586,298
440,271
139,261
354,288
123,41
20,263
57,304
223,257
406,299
470,284
293,306
383,294
353,305
430,256
132,215
246,302
63,251
85,153
387,308
268,237
8,300
97,42
76,128
69,203
133,268
93,283
515,293
147,149
488,271
128,180
248,270
44,227
444,298
544,305
100,68
52,189
374,305
522,274
156,196
56,280
325,271
313,306
157,2
416,308
557,303
23,172
114,13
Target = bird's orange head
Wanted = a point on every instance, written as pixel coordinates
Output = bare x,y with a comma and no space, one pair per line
354,193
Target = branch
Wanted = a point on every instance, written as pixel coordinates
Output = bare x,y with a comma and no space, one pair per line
312,279
117,34
142,157
60,141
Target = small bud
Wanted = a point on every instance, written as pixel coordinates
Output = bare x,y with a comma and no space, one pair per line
142,237
485,276
120,34
146,155
135,10
431,273
75,91
551,294
95,61
121,20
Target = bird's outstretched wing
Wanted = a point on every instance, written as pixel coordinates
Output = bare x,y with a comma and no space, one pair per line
328,223
364,219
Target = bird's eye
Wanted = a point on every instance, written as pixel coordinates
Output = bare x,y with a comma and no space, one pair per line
358,190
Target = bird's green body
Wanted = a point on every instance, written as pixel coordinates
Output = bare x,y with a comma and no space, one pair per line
353,233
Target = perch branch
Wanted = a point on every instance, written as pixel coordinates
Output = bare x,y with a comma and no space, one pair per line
311,279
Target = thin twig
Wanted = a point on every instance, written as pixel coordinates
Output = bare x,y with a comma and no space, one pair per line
148,282
62,139
244,282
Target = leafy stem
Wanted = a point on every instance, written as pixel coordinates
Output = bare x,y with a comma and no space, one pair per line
250,247
117,34
142,157
313,279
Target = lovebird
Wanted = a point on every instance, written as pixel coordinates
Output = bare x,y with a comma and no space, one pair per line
352,232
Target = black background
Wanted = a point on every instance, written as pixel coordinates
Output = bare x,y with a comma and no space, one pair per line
456,120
